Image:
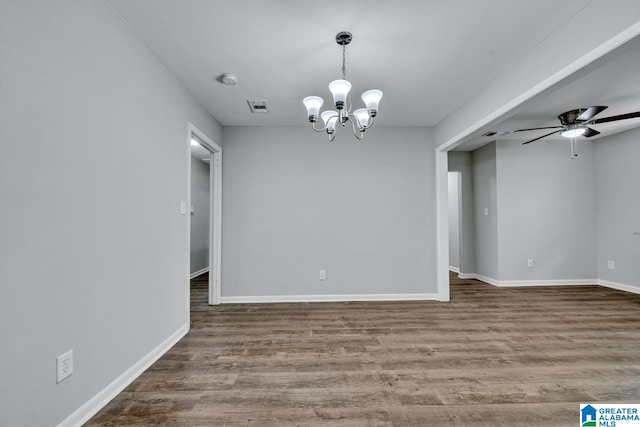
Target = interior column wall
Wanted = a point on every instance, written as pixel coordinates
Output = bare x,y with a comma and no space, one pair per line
617,179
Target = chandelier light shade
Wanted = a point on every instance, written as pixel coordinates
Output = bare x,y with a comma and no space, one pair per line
371,99
360,119
363,117
330,118
313,104
340,90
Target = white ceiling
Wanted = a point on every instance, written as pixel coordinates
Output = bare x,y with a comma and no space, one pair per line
428,56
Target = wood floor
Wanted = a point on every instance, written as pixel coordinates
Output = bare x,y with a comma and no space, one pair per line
490,357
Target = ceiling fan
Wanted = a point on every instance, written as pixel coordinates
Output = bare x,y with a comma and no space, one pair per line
575,123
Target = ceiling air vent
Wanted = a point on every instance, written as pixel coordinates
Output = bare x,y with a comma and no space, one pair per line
258,106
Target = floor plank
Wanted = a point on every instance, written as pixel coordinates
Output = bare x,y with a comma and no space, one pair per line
490,357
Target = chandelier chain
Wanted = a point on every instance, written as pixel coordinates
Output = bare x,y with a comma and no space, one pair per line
344,61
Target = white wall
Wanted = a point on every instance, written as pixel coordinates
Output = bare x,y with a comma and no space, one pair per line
200,200
454,220
618,207
546,211
295,203
460,161
485,199
93,164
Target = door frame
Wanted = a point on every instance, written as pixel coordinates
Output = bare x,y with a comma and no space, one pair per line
215,209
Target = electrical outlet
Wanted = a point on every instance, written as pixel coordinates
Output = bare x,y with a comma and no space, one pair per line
323,274
611,265
64,364
530,263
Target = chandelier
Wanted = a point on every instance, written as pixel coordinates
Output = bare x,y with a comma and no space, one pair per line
361,119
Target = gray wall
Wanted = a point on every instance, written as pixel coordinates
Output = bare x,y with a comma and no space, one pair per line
93,166
618,207
200,200
569,216
293,204
546,211
460,161
485,197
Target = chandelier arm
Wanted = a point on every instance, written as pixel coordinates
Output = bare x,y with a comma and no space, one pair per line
313,125
357,132
370,122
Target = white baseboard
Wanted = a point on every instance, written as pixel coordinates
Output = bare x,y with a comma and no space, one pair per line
558,282
454,269
199,272
328,298
562,282
485,279
104,396
619,286
516,283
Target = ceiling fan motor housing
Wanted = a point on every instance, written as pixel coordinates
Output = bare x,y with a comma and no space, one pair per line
570,117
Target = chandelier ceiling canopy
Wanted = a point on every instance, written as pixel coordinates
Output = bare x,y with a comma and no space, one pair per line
360,119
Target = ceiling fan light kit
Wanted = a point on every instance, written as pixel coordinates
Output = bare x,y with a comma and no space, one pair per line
360,119
573,131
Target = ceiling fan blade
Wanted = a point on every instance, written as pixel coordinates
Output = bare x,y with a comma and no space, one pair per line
615,118
590,112
548,127
590,132
543,136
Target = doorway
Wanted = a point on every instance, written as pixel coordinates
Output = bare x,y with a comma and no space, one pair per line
207,256
455,220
